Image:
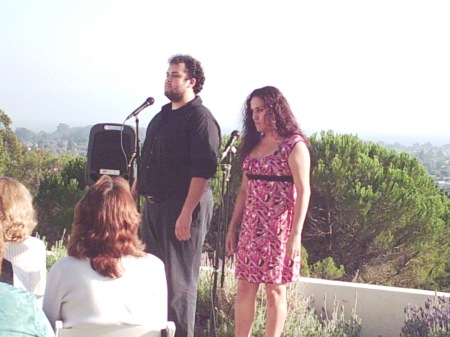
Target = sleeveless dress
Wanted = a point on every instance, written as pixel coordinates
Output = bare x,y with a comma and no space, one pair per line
267,220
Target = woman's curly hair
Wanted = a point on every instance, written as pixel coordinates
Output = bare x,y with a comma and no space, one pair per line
280,118
105,227
17,215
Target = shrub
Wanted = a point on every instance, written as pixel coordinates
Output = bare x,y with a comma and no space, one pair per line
431,321
57,251
302,320
327,269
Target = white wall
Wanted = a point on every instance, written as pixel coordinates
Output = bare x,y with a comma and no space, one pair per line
380,308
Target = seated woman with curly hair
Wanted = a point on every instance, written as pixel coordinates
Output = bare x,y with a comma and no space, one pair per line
26,253
20,314
107,277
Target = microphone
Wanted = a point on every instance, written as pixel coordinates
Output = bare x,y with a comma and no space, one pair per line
230,144
149,101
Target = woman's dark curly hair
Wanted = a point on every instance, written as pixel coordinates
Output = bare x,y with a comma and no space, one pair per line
193,67
105,227
280,117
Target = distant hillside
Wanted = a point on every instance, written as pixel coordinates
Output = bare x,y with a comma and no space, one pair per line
73,141
65,140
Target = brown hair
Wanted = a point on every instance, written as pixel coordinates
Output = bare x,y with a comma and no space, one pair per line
2,247
17,215
280,117
193,67
105,227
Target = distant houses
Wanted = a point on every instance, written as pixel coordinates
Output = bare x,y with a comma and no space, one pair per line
444,183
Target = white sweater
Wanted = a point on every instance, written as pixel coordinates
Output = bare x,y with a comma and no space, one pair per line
30,256
78,295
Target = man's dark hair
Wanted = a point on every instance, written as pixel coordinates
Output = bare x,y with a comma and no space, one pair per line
193,67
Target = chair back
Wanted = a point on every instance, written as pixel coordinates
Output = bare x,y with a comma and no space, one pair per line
114,331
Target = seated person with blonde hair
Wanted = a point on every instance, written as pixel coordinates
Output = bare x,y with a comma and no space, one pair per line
26,253
107,277
20,314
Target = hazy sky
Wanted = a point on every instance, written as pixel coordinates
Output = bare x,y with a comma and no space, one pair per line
363,67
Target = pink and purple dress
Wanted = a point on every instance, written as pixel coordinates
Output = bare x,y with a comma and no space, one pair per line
267,219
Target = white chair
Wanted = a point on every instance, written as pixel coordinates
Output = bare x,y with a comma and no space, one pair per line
113,331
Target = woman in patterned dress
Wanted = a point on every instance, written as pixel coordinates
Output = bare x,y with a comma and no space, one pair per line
270,209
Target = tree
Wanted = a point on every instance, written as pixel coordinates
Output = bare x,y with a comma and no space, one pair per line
10,148
58,194
25,135
377,212
31,167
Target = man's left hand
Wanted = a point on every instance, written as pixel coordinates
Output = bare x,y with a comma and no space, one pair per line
183,227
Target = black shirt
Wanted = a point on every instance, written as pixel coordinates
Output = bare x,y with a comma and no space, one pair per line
179,144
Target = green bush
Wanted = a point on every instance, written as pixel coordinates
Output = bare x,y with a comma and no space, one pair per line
326,269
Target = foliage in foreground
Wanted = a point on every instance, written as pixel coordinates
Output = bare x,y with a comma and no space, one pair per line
302,320
431,321
57,251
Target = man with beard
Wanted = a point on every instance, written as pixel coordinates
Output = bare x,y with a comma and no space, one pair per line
179,158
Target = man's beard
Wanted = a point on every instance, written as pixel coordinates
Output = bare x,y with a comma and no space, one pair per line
172,96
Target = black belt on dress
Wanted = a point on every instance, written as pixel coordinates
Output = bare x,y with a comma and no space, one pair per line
288,179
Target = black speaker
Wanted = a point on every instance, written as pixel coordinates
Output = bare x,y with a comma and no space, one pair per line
110,149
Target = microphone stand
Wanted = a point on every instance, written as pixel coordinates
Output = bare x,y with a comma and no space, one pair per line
221,236
136,159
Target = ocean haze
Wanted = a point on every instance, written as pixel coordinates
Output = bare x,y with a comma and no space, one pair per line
403,139
407,140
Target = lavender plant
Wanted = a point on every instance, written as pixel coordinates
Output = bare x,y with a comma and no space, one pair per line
56,252
302,320
431,321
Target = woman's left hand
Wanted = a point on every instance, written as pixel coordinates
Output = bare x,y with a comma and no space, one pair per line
293,246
